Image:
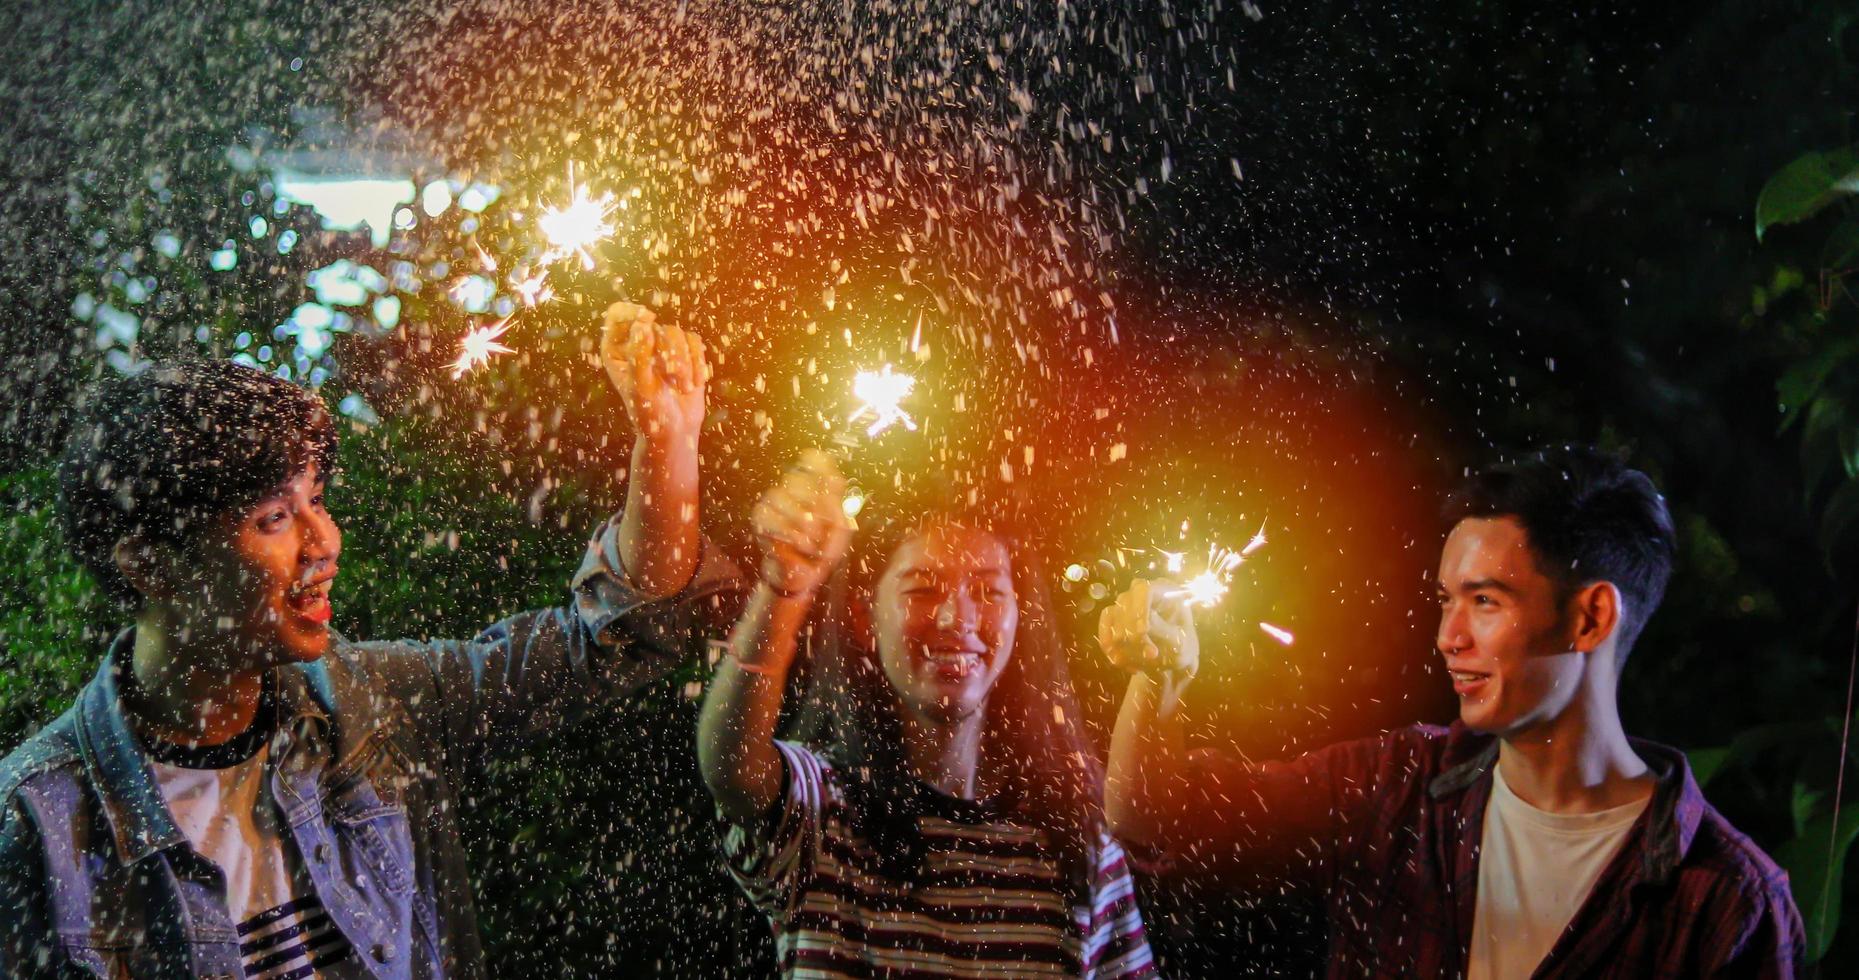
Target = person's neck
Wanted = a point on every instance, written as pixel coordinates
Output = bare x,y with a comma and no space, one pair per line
1578,762
945,753
185,691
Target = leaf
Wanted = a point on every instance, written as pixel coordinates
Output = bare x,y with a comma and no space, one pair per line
1803,188
1841,253
1796,388
1755,744
1820,440
1841,512
1806,801
1815,880
1707,763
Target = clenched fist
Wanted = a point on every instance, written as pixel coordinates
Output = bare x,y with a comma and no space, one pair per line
1151,628
660,372
802,526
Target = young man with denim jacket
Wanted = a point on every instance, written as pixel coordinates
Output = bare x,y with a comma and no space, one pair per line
242,792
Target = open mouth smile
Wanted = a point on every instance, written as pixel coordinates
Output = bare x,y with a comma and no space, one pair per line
310,600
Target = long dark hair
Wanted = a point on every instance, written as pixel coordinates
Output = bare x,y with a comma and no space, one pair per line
1054,780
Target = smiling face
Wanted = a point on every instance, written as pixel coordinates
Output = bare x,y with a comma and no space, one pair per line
262,582
944,615
1502,629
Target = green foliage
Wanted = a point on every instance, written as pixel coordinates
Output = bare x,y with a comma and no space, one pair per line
1806,187
1786,764
1816,863
53,623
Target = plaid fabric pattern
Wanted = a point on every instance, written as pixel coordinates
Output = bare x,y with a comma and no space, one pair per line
1390,828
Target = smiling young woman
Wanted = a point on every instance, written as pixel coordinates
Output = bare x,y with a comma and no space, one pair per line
936,808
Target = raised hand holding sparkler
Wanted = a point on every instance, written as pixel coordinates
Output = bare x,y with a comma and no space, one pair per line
660,371
1151,629
802,526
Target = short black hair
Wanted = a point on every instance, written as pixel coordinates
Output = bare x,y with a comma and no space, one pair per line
163,453
1588,518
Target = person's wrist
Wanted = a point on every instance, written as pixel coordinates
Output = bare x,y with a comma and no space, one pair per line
658,439
1169,675
786,593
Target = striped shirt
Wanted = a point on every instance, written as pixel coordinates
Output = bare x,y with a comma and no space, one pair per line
990,900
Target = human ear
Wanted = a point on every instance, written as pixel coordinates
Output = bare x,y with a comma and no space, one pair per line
152,569
1597,612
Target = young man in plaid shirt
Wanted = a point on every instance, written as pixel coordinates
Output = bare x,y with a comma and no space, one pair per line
1532,838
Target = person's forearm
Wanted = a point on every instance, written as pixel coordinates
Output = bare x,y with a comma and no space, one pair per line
735,731
658,538
1143,794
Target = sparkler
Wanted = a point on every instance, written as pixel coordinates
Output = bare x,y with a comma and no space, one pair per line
1210,586
532,289
477,346
577,226
880,393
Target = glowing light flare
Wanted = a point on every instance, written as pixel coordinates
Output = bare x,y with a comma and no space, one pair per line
1207,588
477,346
577,226
1204,590
532,289
1257,542
881,394
1278,633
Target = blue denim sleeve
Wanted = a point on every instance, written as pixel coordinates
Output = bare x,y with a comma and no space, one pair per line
28,946
536,671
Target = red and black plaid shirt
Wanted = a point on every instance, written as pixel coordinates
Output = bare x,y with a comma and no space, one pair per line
1390,828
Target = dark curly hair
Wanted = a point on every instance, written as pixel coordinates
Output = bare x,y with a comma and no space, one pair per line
164,453
1588,518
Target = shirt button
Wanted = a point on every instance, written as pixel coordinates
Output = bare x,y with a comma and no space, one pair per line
381,952
322,852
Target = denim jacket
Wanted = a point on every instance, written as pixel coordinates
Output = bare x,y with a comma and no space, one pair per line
372,742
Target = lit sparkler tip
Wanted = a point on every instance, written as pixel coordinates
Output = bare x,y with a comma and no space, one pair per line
1204,590
532,289
1257,542
881,393
477,346
1277,633
577,226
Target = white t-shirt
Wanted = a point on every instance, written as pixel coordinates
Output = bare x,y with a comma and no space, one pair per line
1535,870
284,932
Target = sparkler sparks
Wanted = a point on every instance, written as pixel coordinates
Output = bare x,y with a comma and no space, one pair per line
577,226
1277,633
880,393
477,346
1210,586
532,289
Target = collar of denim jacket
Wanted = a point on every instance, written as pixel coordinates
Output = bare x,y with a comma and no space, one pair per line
118,763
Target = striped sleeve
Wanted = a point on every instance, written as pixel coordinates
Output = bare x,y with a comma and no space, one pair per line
769,861
1117,945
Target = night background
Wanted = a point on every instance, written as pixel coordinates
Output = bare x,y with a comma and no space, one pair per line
1166,272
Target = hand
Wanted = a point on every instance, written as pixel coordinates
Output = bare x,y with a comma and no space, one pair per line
802,526
1150,628
660,372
